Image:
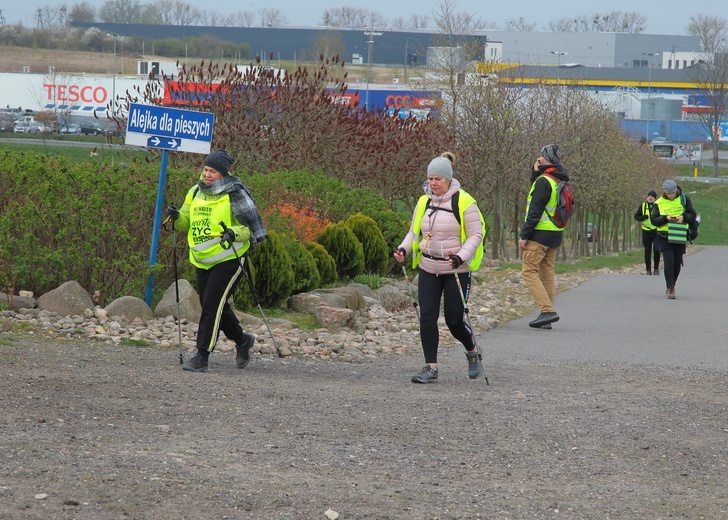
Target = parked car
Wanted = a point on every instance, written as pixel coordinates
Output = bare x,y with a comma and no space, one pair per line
71,129
91,128
592,234
6,122
659,140
30,127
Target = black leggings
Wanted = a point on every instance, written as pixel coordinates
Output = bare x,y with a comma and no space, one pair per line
430,289
652,250
214,286
672,259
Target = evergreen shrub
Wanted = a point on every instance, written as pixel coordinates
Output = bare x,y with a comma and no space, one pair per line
324,262
376,257
305,273
343,246
274,276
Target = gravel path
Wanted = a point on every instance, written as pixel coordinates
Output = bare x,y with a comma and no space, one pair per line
97,431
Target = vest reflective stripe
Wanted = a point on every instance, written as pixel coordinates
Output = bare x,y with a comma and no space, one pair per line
667,207
647,224
466,200
545,223
206,213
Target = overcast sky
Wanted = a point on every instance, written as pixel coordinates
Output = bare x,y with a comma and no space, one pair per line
663,16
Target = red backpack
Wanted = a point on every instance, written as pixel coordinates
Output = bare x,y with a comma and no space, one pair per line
564,202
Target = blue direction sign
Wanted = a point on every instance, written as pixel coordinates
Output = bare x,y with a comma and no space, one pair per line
169,128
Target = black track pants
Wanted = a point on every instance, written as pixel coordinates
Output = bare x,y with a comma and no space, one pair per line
430,291
214,286
652,250
672,260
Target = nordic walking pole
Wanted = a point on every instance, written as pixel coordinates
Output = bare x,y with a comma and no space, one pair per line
467,317
412,296
249,278
176,288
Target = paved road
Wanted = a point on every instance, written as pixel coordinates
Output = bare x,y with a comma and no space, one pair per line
627,319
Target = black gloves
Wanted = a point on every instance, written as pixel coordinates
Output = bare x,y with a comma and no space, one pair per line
173,213
456,261
228,236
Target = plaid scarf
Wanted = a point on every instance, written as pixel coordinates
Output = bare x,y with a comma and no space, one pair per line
241,204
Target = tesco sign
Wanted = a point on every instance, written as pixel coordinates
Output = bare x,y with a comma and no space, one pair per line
76,93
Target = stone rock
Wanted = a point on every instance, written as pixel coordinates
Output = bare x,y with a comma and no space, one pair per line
70,299
331,298
336,318
131,307
21,301
189,302
305,302
352,294
393,299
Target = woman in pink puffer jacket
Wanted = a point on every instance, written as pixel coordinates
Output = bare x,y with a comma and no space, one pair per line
435,240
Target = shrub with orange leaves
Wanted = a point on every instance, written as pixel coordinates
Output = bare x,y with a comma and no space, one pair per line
304,223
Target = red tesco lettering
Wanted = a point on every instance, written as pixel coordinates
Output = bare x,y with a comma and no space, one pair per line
76,93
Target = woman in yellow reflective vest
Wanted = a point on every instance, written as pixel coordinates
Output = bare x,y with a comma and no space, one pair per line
671,214
444,245
649,234
218,212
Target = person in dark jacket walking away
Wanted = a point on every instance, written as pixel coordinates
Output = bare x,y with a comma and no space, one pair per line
540,238
444,245
649,234
218,198
672,214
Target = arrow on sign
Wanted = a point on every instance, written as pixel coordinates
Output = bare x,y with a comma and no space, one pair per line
155,141
173,144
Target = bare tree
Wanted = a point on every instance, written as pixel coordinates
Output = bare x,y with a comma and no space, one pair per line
712,81
82,12
243,19
712,31
519,24
615,21
352,17
418,21
328,44
453,54
164,8
271,17
121,11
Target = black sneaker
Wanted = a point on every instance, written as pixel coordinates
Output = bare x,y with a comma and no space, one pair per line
546,327
196,364
243,351
475,365
656,272
428,375
545,318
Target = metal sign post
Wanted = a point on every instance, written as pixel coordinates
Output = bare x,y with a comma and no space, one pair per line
167,129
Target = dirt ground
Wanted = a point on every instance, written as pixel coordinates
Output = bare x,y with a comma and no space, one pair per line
99,431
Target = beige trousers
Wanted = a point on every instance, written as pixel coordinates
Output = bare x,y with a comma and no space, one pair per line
538,273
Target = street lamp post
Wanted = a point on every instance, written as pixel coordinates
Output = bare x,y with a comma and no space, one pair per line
370,43
558,62
649,90
113,81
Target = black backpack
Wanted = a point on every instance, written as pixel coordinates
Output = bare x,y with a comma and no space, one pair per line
692,226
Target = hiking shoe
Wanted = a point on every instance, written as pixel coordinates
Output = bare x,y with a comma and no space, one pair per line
656,272
475,365
242,358
196,364
671,293
545,318
428,375
648,273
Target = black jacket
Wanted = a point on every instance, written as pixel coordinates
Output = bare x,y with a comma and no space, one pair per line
539,199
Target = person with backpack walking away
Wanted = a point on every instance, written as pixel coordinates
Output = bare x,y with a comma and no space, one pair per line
672,215
445,241
541,236
649,234
218,212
